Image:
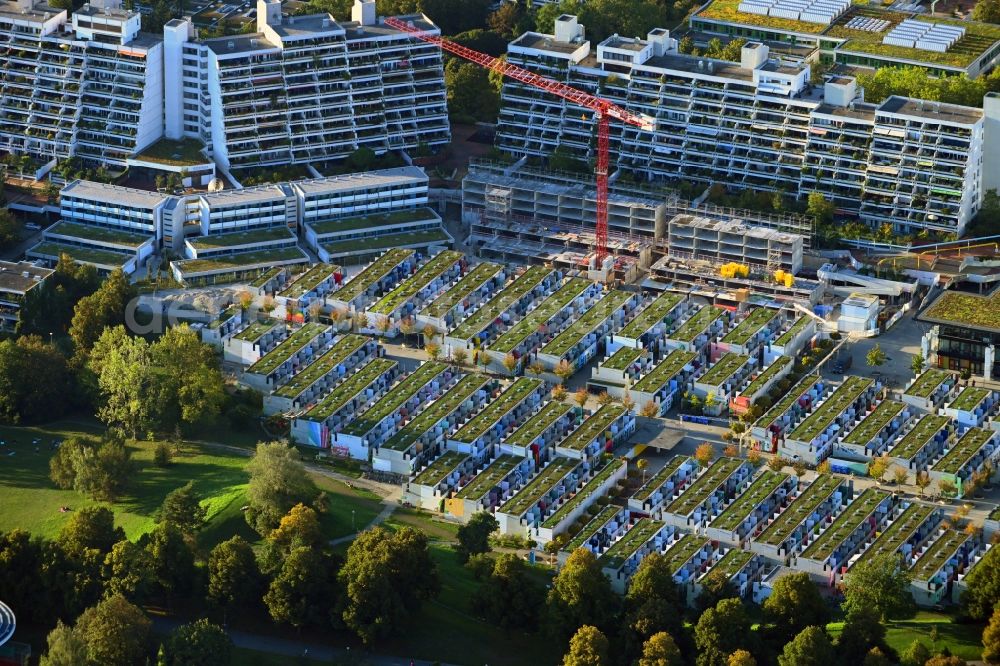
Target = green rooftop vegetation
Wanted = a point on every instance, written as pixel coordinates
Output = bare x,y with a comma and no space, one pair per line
255,331
497,408
697,324
394,398
963,450
264,278
801,508
661,477
755,321
130,239
345,224
723,369
787,400
540,316
938,555
593,427
704,486
623,358
915,439
959,307
681,552
272,360
543,482
640,534
347,389
844,525
744,505
438,470
928,382
762,378
374,272
584,493
653,314
797,326
490,477
835,405
501,302
175,152
435,412
322,366
309,281
728,11
673,363
85,255
241,260
531,429
969,399
224,316
732,562
387,241
600,312
872,424
896,535
253,237
461,290
409,287
593,526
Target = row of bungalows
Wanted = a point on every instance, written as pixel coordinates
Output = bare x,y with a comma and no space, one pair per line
759,383
701,500
270,281
699,326
542,429
636,373
647,328
427,281
610,425
812,439
313,381
310,287
372,282
779,537
526,509
929,389
940,565
491,485
668,482
909,526
964,456
297,350
758,327
873,431
792,338
476,286
224,325
592,490
721,379
251,340
920,442
972,406
752,508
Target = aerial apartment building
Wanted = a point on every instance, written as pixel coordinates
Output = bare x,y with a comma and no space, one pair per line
758,124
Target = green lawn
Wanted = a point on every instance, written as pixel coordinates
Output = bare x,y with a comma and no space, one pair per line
963,640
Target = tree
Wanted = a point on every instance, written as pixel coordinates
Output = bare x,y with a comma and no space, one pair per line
460,356
170,559
182,508
661,650
386,578
580,397
799,467
104,471
721,631
64,648
471,96
510,362
875,356
278,481
922,480
200,643
820,208
916,654
508,597
433,350
588,647
653,603
48,308
715,587
900,475
35,381
795,603
233,575
982,591
474,536
987,11
187,382
115,632
863,630
741,658
91,528
945,660
127,571
776,463
878,467
504,21
10,229
991,639
917,363
302,592
559,392
879,584
123,368
810,647
650,410
563,369
947,487
704,454
580,594
103,309
642,464
299,528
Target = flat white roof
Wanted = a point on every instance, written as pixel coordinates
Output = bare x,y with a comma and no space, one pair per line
113,194
246,196
365,180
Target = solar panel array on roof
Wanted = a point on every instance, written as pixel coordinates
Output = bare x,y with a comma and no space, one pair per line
924,35
810,11
867,24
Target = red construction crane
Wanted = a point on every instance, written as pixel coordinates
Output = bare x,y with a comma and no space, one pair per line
603,110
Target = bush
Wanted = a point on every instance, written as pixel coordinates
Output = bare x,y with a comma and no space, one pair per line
162,454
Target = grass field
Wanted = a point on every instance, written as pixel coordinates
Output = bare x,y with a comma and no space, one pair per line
963,640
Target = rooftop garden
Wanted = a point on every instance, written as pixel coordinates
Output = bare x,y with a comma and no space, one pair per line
836,404
224,316
728,11
501,302
240,260
394,398
99,234
590,320
531,429
461,290
490,477
723,369
872,425
928,382
386,242
407,436
347,389
584,493
787,400
593,427
496,409
640,534
704,486
697,324
732,562
322,366
86,255
797,326
969,399
801,508
652,315
744,505
409,287
681,552
372,221
593,526
972,310
309,280
755,321
918,436
264,278
762,378
175,152
673,363
661,477
896,535
374,272
963,451
438,470
253,237
938,555
255,331
544,481
623,358
540,316
849,520
272,360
